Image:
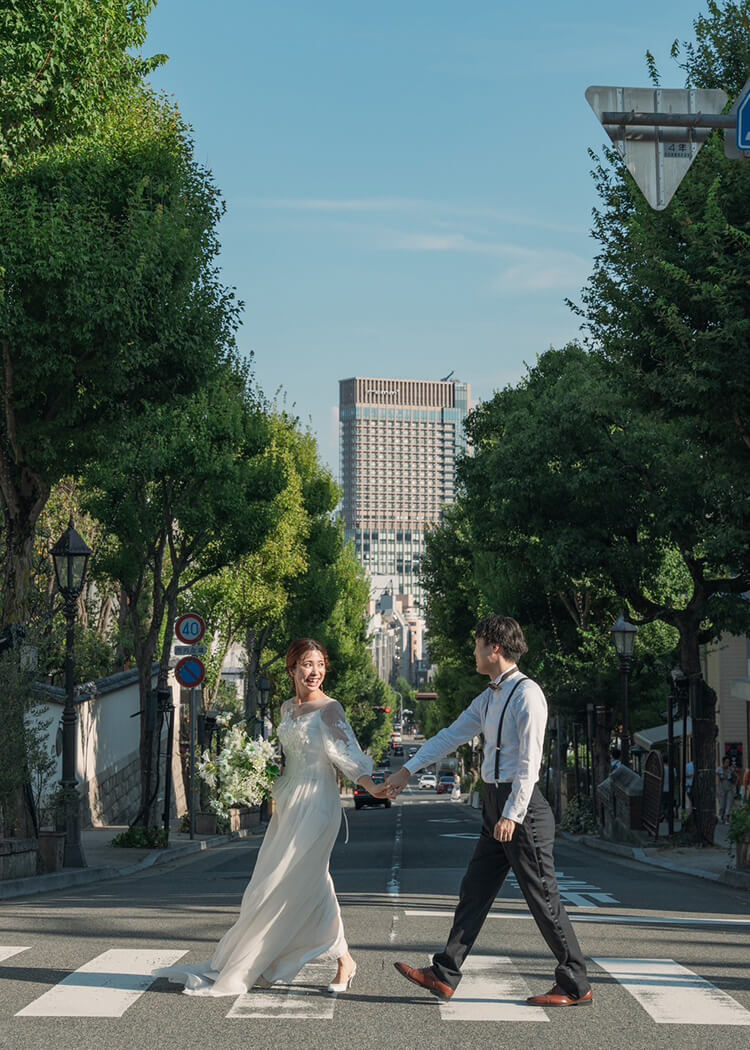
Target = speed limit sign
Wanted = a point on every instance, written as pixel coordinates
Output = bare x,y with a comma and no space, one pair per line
190,628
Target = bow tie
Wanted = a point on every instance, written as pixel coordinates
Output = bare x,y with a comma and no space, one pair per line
496,685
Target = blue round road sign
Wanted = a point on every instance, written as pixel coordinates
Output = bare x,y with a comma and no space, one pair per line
190,672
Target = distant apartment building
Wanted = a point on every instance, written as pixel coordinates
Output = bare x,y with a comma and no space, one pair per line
400,439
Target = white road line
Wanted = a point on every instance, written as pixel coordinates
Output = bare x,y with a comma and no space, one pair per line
305,999
602,920
394,885
672,994
491,990
104,987
7,952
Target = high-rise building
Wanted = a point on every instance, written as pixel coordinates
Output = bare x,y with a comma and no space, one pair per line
400,439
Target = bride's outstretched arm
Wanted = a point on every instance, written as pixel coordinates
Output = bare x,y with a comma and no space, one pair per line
341,744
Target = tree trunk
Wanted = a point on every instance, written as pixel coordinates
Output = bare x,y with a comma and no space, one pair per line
23,496
145,651
702,700
600,745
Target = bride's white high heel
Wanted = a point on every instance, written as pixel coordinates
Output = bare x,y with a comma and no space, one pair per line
343,986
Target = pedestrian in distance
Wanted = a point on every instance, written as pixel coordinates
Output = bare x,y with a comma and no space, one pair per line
518,828
725,776
289,913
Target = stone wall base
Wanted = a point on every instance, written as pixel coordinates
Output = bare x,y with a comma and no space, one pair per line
18,858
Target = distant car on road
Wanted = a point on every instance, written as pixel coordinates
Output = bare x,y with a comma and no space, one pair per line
398,749
364,798
413,751
446,783
427,781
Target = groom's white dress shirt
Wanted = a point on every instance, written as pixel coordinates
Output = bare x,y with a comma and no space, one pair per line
521,745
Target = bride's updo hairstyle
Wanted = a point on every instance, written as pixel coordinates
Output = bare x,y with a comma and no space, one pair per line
297,650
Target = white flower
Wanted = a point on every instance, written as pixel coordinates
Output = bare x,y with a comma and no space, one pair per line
242,773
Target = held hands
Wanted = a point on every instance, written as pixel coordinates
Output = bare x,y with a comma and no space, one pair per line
504,829
396,782
376,790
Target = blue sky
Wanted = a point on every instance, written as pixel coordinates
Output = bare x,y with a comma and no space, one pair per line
407,184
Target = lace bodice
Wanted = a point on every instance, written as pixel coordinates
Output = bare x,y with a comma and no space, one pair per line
317,737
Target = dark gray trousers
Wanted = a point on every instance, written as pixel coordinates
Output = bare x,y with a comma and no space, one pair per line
530,856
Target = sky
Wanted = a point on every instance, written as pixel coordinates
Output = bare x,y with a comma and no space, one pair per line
407,183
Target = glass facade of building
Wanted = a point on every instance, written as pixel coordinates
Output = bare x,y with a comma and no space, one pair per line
399,443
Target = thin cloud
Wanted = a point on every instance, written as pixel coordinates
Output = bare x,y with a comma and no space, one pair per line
544,274
438,211
325,204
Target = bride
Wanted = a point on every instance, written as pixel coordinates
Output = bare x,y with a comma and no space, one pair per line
289,913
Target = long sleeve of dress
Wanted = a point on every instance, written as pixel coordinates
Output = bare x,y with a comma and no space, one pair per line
341,743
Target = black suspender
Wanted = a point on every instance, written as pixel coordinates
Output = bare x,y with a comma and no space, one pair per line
524,678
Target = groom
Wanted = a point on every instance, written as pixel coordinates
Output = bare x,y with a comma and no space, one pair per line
518,829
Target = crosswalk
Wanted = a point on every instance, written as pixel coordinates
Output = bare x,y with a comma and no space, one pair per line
492,989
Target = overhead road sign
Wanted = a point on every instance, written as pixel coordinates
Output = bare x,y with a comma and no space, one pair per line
737,145
190,628
658,132
190,672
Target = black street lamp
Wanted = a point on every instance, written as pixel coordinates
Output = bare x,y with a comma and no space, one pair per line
70,557
623,636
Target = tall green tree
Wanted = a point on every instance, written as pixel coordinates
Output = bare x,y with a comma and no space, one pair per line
586,492
128,211
188,489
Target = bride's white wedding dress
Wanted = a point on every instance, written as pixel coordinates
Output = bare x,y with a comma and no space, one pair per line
289,913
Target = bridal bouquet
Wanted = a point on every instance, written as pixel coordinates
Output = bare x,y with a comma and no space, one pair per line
242,773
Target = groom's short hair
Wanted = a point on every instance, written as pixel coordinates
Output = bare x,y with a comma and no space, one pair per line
505,632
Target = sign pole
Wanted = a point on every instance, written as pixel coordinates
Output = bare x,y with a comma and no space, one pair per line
193,715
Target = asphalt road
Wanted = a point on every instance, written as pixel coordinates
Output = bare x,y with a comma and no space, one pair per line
671,969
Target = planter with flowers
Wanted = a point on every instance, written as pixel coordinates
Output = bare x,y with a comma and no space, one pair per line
240,776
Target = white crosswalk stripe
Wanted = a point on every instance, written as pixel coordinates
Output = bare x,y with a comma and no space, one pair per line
104,987
491,990
672,994
7,952
304,999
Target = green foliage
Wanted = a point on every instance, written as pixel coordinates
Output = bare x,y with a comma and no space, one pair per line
739,822
63,63
141,838
579,817
22,738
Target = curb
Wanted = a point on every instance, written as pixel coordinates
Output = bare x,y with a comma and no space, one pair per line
728,877
61,880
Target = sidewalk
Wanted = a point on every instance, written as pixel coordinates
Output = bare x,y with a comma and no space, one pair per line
704,862
106,861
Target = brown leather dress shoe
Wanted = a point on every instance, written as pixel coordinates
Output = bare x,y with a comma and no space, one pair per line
557,996
426,979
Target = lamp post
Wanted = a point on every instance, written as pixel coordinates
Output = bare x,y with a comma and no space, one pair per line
623,636
70,557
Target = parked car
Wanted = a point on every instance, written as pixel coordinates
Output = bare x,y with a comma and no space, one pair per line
364,798
446,783
427,781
